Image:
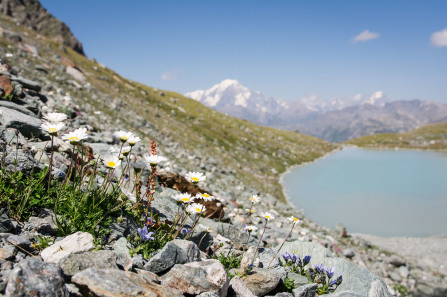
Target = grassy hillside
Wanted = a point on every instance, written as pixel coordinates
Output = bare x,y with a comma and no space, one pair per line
252,154
427,137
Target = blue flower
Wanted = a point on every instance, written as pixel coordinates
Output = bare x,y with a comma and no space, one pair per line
185,231
286,256
319,268
306,260
144,234
339,280
329,272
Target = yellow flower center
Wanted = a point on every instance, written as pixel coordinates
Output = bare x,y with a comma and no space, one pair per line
185,199
52,130
206,195
73,139
198,209
111,164
195,179
267,217
123,137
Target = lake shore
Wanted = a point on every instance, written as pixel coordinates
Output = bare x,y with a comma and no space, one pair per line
424,251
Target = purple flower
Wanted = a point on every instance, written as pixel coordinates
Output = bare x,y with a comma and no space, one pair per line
319,268
286,256
185,231
339,280
329,272
144,234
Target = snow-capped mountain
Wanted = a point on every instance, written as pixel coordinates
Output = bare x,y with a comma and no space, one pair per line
336,120
230,97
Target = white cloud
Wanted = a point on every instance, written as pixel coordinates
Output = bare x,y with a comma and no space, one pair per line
439,38
365,36
170,75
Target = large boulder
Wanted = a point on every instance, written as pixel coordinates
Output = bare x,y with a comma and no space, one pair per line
355,278
174,252
27,125
32,277
198,277
78,242
261,281
75,263
113,283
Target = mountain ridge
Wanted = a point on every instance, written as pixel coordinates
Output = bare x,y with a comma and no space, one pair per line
336,121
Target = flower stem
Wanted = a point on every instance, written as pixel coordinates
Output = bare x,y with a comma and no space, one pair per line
259,242
293,225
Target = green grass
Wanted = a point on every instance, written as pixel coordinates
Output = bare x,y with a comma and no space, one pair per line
427,137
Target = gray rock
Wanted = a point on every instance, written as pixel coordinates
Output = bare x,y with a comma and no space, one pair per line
6,254
25,161
174,252
198,277
262,281
75,263
344,294
355,278
127,227
78,242
6,225
137,261
17,107
349,253
283,294
29,84
298,280
112,283
208,294
19,241
76,74
404,272
396,261
27,125
238,288
308,290
45,225
150,276
32,277
121,250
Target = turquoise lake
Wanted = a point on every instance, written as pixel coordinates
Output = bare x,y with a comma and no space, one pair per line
379,192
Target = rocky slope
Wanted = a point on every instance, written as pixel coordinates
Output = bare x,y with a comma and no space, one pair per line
238,158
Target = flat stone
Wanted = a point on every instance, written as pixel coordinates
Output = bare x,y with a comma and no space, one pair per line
19,241
262,281
32,277
76,74
355,278
349,253
116,283
198,277
238,288
78,242
396,261
27,125
75,263
298,280
29,84
174,252
308,290
17,107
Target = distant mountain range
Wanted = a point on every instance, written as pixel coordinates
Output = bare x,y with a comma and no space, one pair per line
338,120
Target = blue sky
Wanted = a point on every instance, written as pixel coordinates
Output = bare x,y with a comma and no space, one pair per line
285,49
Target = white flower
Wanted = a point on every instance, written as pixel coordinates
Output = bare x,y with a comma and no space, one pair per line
255,198
207,229
55,117
205,196
76,136
112,161
133,140
195,177
129,195
195,208
125,150
52,128
123,135
268,216
153,160
97,112
250,228
182,197
250,210
293,220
